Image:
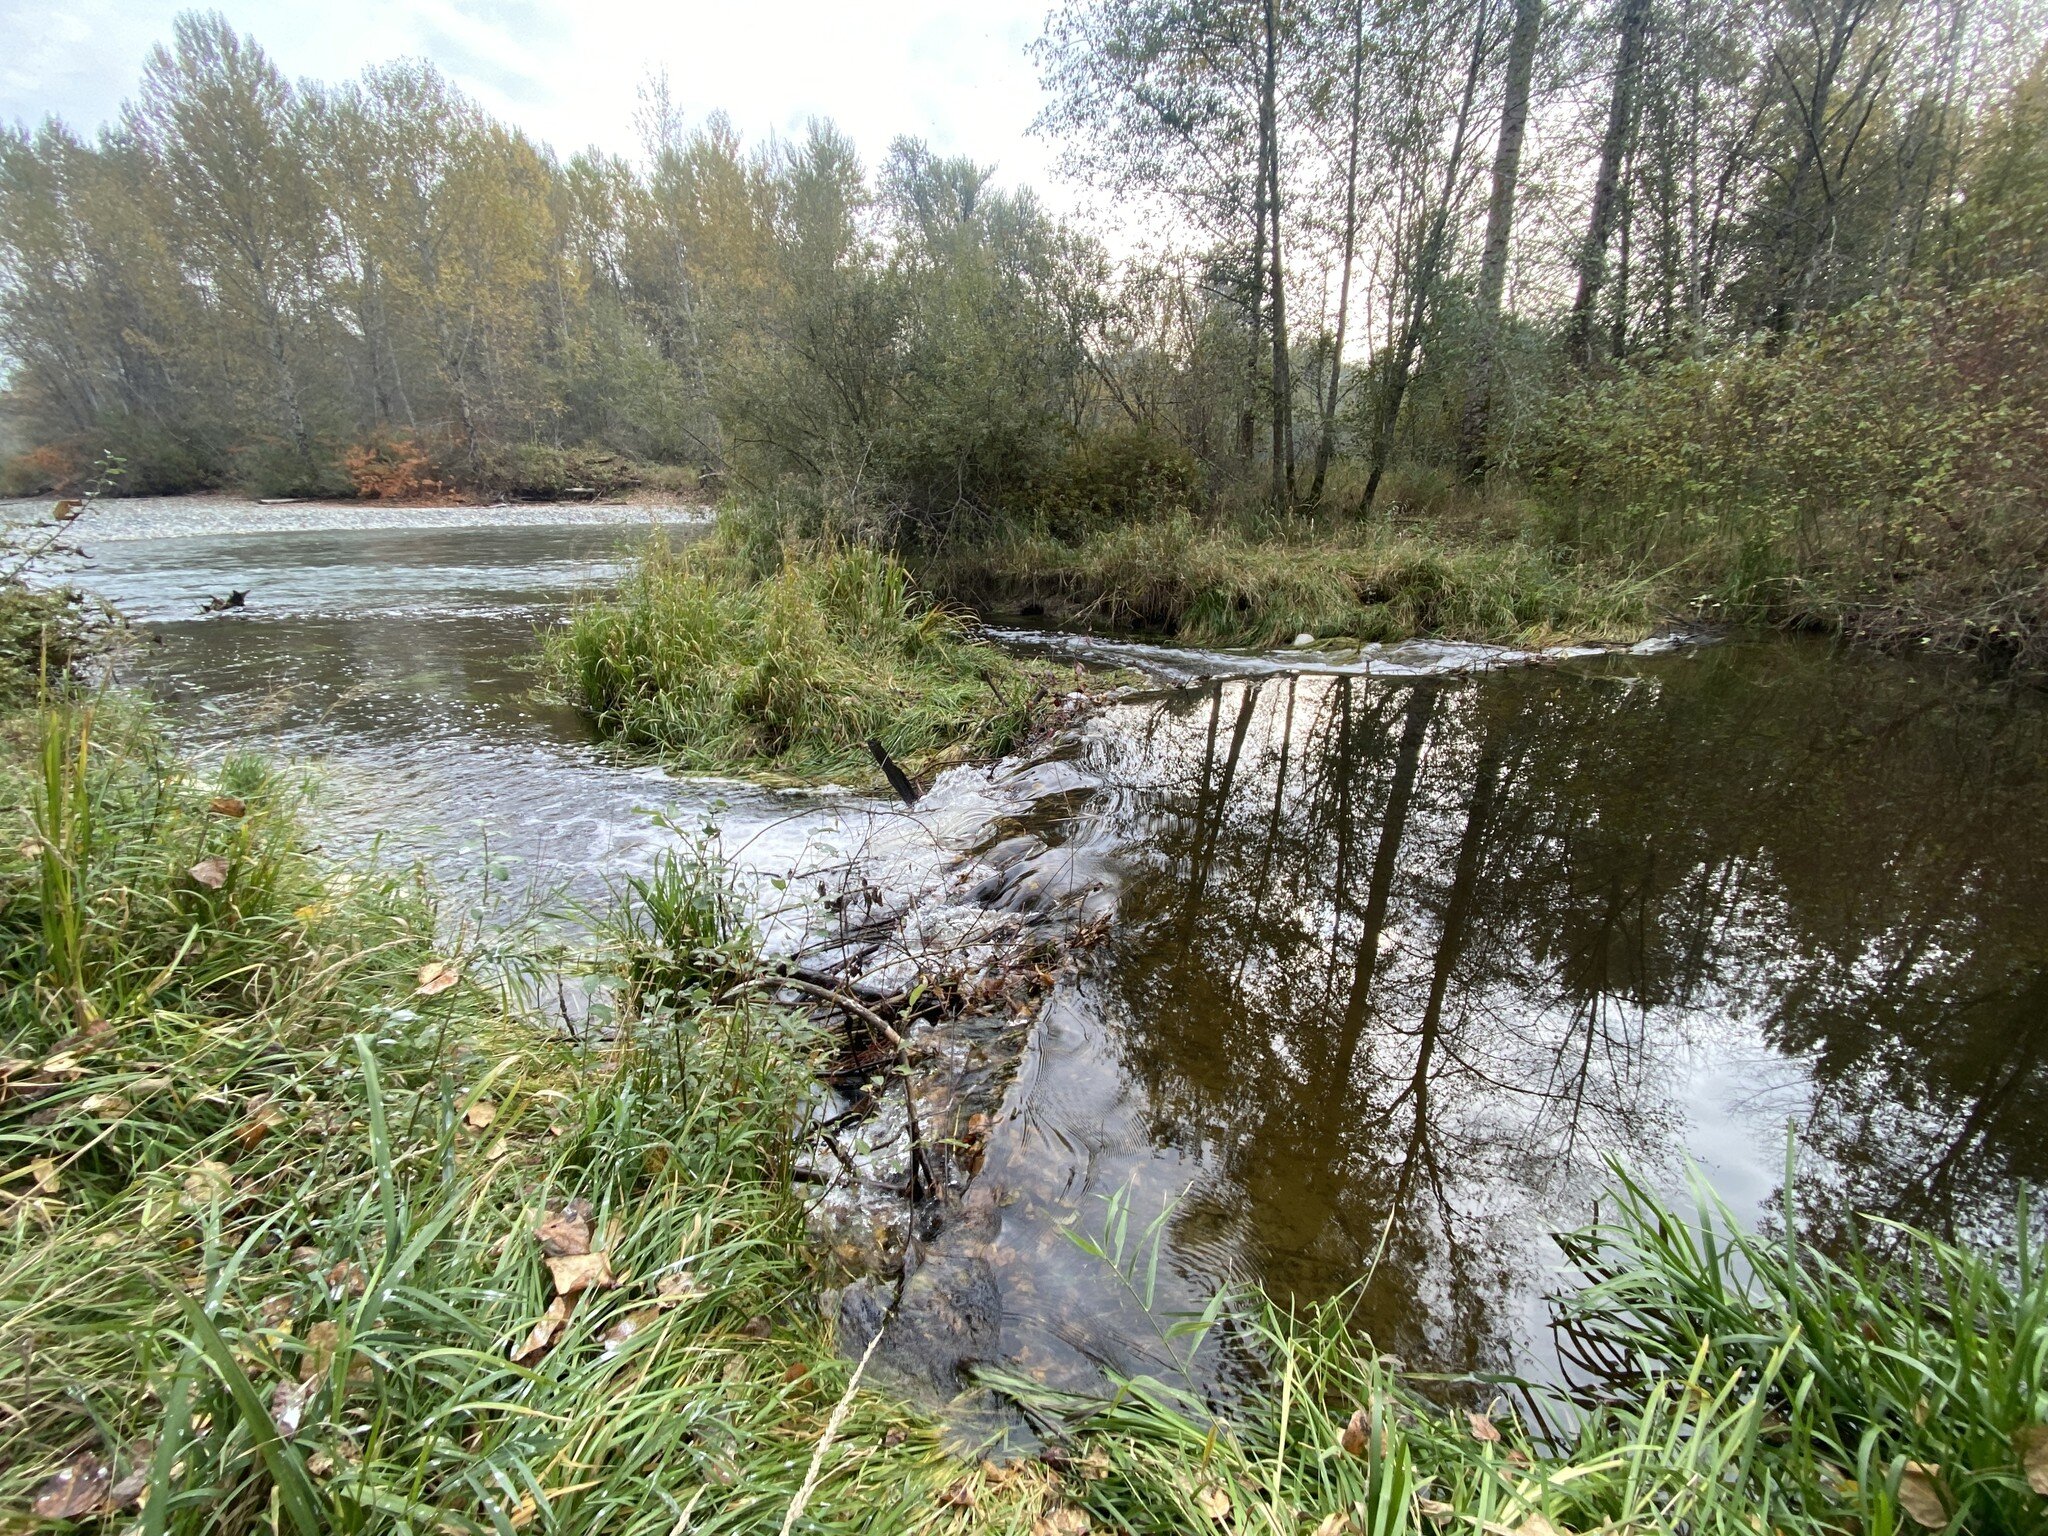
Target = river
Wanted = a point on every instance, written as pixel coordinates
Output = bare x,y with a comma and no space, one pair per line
1406,946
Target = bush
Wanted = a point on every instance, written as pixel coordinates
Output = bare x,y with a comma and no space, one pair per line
1886,475
394,468
537,472
1117,477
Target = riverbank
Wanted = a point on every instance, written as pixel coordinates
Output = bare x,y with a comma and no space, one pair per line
1264,584
433,1262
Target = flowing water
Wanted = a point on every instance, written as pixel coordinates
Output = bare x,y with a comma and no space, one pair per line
1407,944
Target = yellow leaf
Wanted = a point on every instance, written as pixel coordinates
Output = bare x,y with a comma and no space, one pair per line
2032,1445
1920,1496
208,1182
579,1271
437,976
543,1334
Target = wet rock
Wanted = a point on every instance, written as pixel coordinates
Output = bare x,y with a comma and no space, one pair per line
950,1318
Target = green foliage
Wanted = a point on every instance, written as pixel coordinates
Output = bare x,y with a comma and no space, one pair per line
1902,1350
1881,475
719,667
41,635
269,1250
1111,477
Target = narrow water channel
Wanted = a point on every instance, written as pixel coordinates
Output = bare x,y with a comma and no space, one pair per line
1406,948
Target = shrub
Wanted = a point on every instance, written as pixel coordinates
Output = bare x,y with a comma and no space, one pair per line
1116,477
1886,475
394,468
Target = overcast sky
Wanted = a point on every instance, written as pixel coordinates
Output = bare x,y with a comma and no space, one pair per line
953,71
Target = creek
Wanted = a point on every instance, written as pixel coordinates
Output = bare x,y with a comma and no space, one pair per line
1406,945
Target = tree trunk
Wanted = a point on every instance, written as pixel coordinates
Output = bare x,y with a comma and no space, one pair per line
1326,440
1283,375
1628,63
1255,310
1500,219
1402,360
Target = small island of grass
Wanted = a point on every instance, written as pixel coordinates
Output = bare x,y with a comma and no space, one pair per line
717,664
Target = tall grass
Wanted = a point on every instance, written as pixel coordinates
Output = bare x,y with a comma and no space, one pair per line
268,1227
1746,1383
718,667
1264,584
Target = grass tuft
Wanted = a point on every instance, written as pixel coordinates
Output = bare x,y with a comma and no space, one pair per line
719,668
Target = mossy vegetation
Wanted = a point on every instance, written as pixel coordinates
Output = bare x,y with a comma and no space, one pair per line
789,665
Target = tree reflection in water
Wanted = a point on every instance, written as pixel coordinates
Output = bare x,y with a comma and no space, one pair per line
1401,963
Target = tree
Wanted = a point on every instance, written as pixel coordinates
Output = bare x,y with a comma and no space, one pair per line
1500,218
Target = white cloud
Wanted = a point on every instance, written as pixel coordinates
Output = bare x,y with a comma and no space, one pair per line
952,71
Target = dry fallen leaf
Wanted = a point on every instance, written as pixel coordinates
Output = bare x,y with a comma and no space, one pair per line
346,1279
1067,1520
1534,1524
437,976
277,1310
634,1322
77,1488
1213,1502
575,1272
107,1106
211,872
1333,1525
208,1182
1357,1436
2031,1444
543,1334
288,1405
757,1327
567,1231
1482,1429
1433,1509
677,1287
264,1118
480,1114
1920,1495
960,1494
226,805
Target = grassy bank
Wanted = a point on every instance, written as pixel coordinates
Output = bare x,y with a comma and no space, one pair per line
283,1179
1263,584
274,1162
718,665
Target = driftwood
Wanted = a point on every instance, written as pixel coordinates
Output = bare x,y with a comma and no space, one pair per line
898,779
